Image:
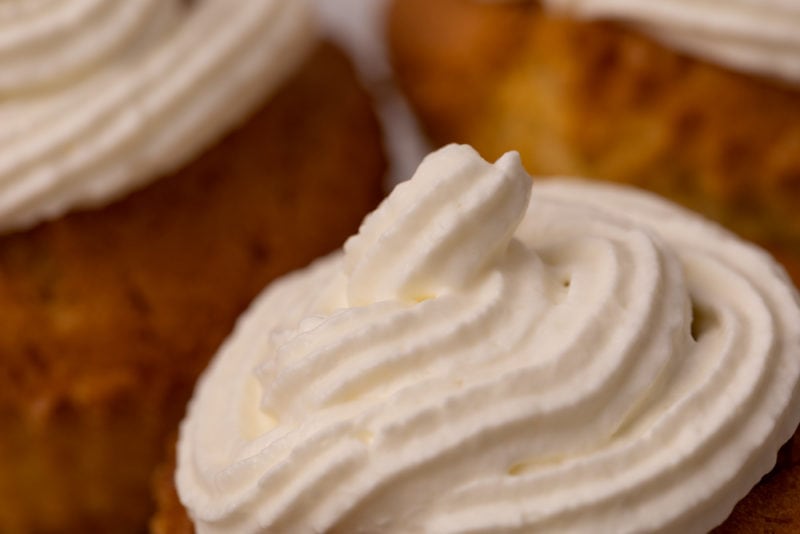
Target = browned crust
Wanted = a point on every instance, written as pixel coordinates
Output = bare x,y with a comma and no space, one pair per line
170,516
770,508
600,100
109,315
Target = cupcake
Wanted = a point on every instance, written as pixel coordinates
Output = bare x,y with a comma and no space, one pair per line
697,101
160,162
484,356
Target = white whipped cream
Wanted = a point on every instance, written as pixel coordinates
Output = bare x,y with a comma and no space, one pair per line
596,360
98,97
755,36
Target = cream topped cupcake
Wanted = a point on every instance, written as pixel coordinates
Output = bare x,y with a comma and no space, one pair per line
97,98
160,162
695,100
756,36
483,357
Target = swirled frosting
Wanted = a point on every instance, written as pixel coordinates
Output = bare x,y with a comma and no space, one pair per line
588,358
756,36
97,97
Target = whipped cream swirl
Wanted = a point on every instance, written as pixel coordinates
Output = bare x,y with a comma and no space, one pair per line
588,359
755,36
98,97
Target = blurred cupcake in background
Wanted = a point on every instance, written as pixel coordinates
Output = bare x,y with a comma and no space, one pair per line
159,163
699,101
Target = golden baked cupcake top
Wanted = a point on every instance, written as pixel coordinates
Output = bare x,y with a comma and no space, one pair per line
97,97
756,36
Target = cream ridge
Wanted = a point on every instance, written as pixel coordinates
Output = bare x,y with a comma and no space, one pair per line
98,97
755,36
485,356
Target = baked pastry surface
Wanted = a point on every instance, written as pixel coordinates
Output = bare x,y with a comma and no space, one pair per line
601,100
110,314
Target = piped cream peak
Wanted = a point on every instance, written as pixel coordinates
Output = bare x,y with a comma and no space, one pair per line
438,230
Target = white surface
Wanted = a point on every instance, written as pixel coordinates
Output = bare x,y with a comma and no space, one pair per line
475,363
98,97
756,36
